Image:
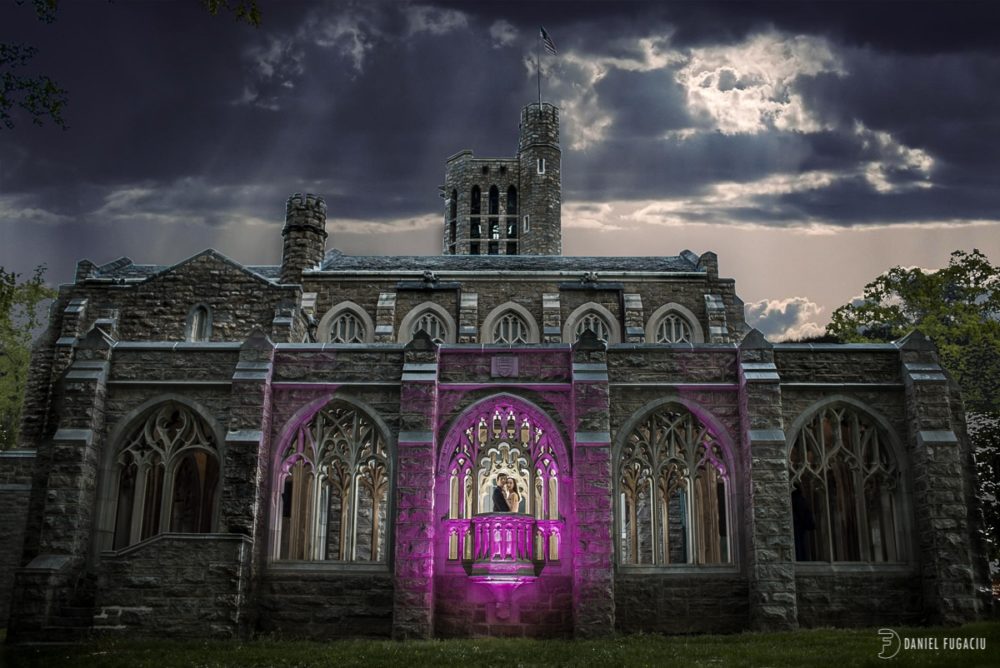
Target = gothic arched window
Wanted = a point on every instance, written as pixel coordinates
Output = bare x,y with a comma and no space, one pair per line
167,473
503,440
595,323
475,223
673,492
475,201
673,328
432,324
332,489
510,328
512,202
199,324
347,328
845,489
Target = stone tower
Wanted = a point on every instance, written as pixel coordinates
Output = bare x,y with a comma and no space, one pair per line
541,185
303,237
507,206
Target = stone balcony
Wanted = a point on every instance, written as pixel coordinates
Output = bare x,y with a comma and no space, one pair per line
506,545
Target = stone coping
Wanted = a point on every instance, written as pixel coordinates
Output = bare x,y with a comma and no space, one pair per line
856,568
17,454
189,537
290,566
836,347
680,570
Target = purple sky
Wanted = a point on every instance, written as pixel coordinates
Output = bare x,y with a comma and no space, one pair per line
811,145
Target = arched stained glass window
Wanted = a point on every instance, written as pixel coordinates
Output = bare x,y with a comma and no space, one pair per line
510,328
845,489
673,483
673,328
168,474
347,328
595,323
332,492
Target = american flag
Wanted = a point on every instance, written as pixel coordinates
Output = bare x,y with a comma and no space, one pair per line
547,42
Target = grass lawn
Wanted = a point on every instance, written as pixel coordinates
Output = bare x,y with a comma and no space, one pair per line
822,647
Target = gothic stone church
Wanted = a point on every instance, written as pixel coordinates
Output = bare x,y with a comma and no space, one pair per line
216,449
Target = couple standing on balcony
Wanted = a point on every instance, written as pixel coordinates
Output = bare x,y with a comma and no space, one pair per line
506,496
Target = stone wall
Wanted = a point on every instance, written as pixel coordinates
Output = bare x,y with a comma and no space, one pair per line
857,595
178,586
538,609
681,602
15,489
324,601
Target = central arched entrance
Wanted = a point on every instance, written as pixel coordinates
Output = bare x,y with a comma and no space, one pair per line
503,489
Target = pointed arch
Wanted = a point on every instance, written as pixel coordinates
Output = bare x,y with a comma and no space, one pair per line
675,487
414,315
679,311
331,494
849,483
339,311
196,432
533,334
614,332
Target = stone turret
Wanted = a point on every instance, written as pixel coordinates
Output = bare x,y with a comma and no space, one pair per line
541,185
303,237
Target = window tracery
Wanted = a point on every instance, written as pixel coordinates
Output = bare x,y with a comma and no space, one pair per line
432,324
673,481
347,328
503,440
595,323
845,489
510,328
168,474
673,328
332,492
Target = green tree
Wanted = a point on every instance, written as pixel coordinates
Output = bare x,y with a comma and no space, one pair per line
38,95
958,307
21,314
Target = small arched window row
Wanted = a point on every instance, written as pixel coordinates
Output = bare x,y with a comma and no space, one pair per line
674,488
167,474
846,489
332,490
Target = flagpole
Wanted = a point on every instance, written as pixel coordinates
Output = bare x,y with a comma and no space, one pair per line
538,66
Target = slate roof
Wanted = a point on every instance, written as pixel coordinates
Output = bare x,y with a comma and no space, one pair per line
337,261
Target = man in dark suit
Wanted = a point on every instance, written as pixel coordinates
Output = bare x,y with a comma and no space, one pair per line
499,500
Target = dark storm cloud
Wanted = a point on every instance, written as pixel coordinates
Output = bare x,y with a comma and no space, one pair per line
181,121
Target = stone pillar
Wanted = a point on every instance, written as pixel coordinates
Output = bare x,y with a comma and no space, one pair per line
468,318
413,584
49,581
593,572
551,318
246,470
939,496
635,321
385,318
770,543
246,467
718,330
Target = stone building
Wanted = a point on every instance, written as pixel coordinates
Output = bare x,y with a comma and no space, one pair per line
314,448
